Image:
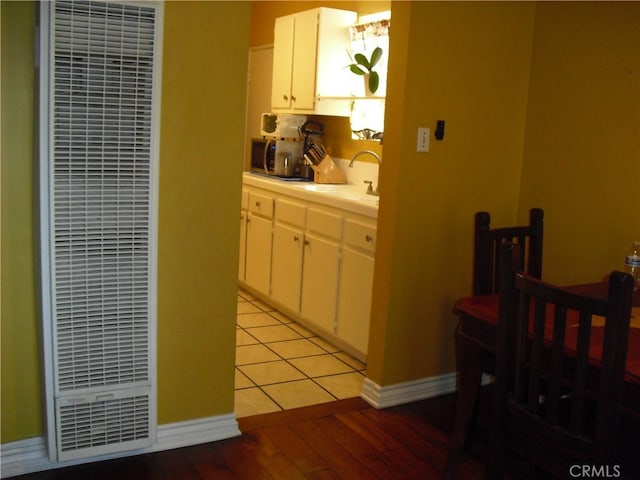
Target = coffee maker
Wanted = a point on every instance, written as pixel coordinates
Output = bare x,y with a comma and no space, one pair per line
284,144
282,157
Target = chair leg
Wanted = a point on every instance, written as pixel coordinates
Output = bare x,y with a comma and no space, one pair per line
469,361
495,464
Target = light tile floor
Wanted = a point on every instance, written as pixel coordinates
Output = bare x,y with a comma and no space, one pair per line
281,365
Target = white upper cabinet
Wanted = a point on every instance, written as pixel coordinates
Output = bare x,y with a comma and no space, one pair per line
309,62
282,63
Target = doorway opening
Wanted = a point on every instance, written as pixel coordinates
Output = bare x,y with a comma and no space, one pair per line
281,365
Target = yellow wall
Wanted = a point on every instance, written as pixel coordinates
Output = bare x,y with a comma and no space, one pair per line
468,64
514,127
542,104
200,168
21,404
582,148
203,99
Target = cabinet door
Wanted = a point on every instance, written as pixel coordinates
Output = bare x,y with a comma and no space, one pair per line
354,304
334,41
286,267
305,46
282,62
258,257
320,281
243,245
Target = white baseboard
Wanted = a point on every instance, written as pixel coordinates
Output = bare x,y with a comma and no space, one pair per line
24,456
194,432
406,392
30,455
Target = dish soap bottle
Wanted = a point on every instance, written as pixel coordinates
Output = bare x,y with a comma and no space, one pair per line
632,264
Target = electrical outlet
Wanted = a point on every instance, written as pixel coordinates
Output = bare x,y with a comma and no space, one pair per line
423,139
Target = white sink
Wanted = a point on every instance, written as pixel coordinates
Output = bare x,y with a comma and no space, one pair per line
360,197
347,192
326,187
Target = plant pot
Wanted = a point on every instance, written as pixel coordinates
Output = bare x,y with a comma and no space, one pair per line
367,90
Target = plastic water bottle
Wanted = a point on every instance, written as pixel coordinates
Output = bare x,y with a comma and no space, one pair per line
632,264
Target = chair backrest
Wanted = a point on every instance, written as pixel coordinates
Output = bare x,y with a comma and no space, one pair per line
558,408
486,259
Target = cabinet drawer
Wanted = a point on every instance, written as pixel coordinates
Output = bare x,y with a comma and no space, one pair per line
360,235
244,201
324,223
291,212
261,204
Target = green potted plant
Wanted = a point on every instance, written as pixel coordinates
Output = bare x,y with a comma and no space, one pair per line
361,65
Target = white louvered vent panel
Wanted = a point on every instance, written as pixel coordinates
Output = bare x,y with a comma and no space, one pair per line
94,425
102,90
102,266
100,174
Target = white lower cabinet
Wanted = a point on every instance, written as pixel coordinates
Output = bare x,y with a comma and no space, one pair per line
258,258
244,205
321,268
356,284
354,304
259,241
243,245
286,260
320,282
313,262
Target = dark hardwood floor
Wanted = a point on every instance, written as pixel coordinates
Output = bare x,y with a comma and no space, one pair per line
346,439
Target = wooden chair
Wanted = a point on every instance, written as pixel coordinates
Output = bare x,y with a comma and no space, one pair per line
486,257
553,407
486,281
487,251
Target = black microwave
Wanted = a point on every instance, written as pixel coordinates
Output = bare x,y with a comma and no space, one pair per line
261,147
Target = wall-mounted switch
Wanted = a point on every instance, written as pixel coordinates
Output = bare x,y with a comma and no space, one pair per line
423,139
439,133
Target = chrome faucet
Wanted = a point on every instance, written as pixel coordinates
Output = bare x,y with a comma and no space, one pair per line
362,152
370,189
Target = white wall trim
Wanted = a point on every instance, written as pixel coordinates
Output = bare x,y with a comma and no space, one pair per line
30,455
194,432
406,392
24,456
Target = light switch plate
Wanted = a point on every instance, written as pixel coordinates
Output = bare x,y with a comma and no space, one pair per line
423,139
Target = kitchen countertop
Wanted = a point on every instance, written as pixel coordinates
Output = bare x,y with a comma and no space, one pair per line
352,198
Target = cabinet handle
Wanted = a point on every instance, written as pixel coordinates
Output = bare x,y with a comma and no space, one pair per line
369,238
293,99
296,238
285,97
257,204
306,242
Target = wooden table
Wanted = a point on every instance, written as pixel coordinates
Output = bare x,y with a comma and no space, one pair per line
475,351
